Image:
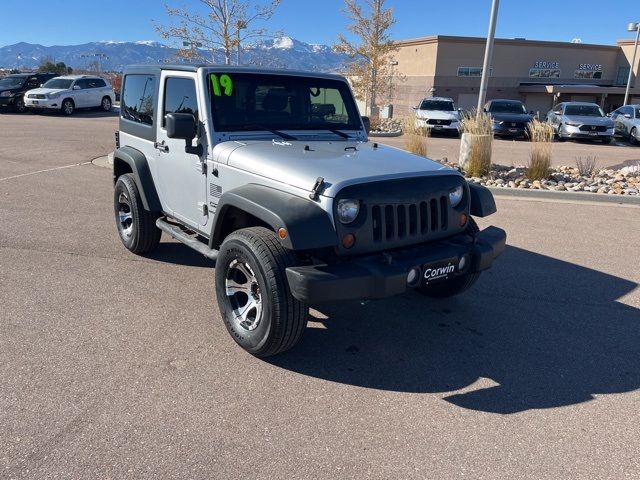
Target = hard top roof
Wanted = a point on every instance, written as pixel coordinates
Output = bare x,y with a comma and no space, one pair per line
142,69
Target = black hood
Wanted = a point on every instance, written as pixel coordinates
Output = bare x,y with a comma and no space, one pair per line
512,117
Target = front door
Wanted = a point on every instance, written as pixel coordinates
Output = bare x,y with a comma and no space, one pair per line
181,175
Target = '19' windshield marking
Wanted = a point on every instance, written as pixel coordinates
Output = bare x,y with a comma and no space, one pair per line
225,82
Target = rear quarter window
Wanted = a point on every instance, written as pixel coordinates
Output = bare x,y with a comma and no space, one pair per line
138,102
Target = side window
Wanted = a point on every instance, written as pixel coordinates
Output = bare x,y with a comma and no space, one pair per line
327,106
180,97
98,83
83,84
137,98
33,83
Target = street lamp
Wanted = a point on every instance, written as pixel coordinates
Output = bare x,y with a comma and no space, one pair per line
393,63
632,27
240,25
488,55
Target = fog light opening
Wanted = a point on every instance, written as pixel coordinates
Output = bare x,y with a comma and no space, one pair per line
349,240
413,277
463,263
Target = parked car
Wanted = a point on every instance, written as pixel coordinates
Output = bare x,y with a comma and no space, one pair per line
626,122
68,93
580,120
13,87
509,118
438,114
255,169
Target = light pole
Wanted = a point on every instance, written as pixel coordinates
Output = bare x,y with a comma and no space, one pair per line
393,63
632,27
100,57
488,55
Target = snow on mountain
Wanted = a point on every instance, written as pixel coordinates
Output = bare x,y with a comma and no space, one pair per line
279,52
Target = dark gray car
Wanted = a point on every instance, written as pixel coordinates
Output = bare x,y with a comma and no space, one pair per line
509,117
580,120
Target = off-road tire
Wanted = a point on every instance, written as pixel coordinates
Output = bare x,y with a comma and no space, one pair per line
457,284
67,107
283,318
143,235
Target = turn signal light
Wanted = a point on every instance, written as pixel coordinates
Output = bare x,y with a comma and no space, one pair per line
349,240
282,233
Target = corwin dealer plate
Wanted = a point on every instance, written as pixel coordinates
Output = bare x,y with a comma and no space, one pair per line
438,271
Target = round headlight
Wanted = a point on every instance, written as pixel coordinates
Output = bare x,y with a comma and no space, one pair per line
348,210
455,195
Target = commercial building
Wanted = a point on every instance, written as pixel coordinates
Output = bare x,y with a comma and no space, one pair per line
539,73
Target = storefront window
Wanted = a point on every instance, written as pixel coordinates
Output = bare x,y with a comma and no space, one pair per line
622,76
472,71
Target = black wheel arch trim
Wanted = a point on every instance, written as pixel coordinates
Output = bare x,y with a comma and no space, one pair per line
482,201
308,225
140,169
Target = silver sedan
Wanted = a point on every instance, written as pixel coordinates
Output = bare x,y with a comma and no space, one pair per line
572,120
626,122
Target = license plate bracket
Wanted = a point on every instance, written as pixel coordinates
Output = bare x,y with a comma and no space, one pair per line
439,271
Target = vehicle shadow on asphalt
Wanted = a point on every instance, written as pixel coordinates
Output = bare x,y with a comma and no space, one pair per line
179,254
535,332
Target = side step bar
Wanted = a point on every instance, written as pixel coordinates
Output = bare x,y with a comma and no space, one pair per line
179,234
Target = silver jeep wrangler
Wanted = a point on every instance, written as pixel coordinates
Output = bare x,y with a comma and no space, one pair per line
271,174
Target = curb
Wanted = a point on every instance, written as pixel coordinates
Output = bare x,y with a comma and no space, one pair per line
529,194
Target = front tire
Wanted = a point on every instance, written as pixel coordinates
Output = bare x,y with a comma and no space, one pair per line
632,136
136,226
68,107
19,105
253,294
458,284
560,137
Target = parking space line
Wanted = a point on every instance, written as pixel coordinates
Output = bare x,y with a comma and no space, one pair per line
45,170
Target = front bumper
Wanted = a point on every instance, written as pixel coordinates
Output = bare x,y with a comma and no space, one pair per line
452,127
507,131
569,131
384,275
37,103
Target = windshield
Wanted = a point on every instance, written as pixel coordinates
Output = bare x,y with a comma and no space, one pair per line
59,83
12,82
442,105
250,102
507,107
584,110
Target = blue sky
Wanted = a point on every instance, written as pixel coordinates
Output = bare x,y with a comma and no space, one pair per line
591,20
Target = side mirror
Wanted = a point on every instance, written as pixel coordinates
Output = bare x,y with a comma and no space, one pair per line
76,87
367,124
183,126
484,110
42,85
627,115
415,108
557,112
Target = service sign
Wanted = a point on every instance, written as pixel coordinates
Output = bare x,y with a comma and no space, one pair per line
594,67
541,64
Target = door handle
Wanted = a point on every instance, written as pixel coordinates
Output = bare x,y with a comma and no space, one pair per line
161,146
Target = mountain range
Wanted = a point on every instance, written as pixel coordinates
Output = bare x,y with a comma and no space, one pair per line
280,52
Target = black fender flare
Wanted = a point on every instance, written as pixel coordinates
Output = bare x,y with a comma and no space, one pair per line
308,225
140,168
482,201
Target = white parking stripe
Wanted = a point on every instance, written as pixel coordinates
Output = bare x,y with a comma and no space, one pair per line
46,170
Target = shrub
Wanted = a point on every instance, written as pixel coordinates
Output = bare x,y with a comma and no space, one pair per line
479,160
587,165
541,136
415,139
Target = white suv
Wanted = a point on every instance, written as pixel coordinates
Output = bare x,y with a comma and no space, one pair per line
70,92
438,114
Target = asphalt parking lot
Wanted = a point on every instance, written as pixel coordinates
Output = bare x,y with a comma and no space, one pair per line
118,366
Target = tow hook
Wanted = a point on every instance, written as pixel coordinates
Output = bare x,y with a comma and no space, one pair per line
319,185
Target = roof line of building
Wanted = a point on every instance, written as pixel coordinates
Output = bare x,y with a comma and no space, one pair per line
512,41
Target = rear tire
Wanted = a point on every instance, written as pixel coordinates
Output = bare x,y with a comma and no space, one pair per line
253,293
456,285
136,226
105,105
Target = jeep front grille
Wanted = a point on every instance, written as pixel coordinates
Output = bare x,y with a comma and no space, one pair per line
398,222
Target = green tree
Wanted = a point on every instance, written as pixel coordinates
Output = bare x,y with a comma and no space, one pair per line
49,67
371,50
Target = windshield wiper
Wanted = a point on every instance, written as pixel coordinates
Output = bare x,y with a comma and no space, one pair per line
339,133
284,136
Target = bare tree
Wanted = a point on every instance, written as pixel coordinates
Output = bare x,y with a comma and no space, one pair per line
224,25
371,52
